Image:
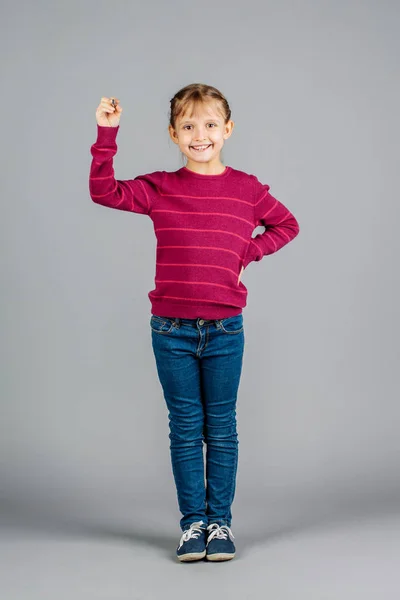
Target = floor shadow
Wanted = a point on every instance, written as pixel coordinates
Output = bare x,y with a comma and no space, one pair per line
253,535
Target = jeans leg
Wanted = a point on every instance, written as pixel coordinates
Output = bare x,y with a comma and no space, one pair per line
221,367
179,374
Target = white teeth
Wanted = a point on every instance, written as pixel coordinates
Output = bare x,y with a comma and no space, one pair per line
200,148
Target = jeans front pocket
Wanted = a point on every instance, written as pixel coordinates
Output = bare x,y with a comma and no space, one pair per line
232,325
161,325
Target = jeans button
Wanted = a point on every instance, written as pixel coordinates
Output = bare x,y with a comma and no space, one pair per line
201,322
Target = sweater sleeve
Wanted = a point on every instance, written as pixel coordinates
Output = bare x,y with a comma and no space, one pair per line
280,225
134,195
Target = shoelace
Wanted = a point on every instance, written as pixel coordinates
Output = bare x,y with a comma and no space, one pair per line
193,532
221,532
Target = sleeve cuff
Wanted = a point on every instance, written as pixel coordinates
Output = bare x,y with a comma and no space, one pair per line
106,133
252,254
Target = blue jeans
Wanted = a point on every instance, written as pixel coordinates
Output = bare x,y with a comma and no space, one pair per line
199,364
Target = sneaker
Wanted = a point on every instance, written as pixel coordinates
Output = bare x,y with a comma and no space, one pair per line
220,544
192,545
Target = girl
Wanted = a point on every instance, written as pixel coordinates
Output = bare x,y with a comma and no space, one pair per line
204,215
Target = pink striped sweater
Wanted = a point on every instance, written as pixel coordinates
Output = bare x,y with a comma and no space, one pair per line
203,226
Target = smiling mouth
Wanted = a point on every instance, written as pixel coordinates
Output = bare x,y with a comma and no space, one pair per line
200,148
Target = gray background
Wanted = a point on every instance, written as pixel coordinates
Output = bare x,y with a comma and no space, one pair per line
89,506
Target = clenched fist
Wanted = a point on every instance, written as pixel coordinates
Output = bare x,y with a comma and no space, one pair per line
108,113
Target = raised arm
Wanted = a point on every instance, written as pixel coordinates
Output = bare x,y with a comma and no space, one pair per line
134,195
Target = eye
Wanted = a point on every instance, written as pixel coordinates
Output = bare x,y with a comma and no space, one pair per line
186,126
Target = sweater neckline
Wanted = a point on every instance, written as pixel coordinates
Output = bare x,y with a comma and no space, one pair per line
190,173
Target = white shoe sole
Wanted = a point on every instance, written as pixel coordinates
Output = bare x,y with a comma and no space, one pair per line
218,557
191,556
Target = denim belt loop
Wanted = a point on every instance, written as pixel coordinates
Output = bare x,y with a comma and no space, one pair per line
177,322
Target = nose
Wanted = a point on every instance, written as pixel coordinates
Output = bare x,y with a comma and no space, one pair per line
200,134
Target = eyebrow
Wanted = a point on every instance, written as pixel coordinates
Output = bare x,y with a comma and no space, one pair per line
210,119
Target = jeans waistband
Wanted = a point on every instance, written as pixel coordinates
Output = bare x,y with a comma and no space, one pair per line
194,322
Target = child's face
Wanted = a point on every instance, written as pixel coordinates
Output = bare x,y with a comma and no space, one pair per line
204,127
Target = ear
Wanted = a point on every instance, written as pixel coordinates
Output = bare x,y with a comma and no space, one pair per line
172,134
228,129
